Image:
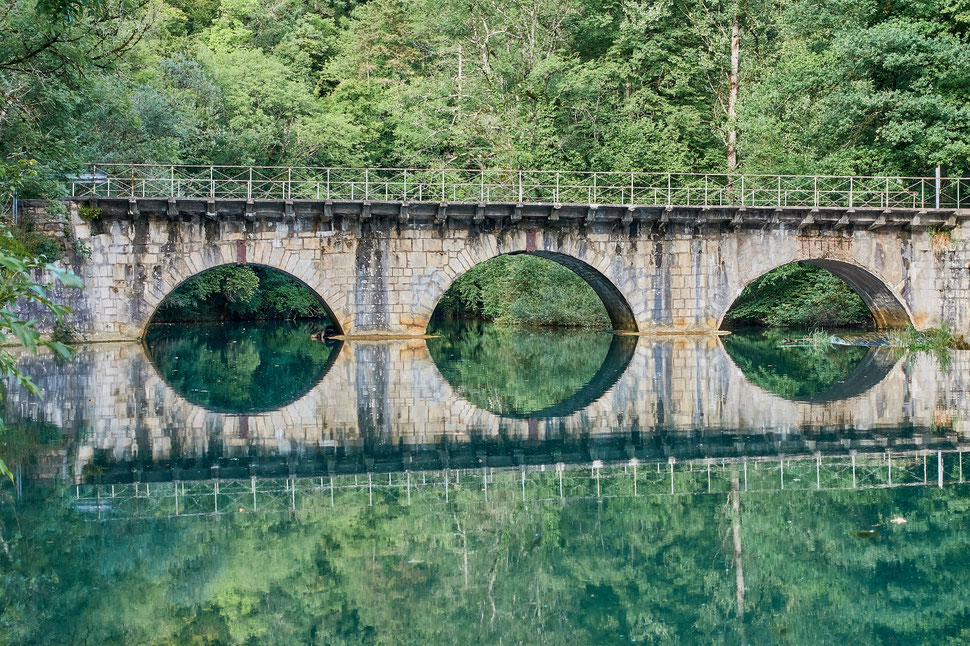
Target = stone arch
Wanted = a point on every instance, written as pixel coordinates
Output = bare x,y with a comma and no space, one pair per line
177,274
597,270
887,308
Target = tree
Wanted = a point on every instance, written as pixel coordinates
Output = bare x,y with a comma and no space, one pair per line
19,290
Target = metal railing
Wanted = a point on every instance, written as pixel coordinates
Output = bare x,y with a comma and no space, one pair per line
520,186
535,483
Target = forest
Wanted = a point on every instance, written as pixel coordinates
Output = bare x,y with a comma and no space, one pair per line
791,86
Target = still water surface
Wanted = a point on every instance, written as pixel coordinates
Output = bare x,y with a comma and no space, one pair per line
242,484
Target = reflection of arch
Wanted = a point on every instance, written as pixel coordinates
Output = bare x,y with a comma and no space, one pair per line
301,271
316,377
614,364
600,272
888,310
867,374
762,361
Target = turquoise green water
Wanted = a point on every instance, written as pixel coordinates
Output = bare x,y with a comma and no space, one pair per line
816,568
188,509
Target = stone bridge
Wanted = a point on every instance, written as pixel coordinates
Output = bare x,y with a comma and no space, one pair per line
665,252
384,406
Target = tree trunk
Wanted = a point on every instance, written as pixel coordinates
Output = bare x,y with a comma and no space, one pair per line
732,103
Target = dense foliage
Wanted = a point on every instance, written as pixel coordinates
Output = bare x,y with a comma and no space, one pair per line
524,290
799,295
240,292
843,86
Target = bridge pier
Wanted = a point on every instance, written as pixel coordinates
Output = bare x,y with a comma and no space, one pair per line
381,267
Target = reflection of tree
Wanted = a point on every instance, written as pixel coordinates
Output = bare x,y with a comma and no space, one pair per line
791,372
517,371
239,367
652,569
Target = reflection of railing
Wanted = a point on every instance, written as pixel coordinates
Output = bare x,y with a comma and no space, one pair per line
532,483
520,186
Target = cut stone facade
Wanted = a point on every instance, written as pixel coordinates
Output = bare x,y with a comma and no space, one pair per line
381,269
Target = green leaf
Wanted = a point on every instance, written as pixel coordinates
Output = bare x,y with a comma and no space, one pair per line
67,277
13,264
5,471
26,334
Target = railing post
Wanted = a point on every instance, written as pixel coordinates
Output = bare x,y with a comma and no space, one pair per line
481,185
442,185
851,193
886,206
366,184
171,178
108,187
706,204
594,188
405,185
212,183
556,200
249,185
288,193
328,183
779,192
815,189
742,190
94,179
939,185
669,196
631,188
520,187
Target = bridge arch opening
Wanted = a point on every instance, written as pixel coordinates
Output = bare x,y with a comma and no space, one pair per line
511,289
241,339
249,291
841,295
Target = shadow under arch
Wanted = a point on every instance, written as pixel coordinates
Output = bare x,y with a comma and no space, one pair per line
619,311
616,359
888,311
333,320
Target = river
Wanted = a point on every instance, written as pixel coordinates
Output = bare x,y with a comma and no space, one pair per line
244,484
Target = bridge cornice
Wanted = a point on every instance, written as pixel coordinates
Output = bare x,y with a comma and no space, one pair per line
801,218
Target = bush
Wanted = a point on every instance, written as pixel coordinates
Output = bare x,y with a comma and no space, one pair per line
523,290
244,292
25,241
799,295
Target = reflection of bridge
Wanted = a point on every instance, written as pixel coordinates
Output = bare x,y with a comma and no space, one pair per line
522,484
383,406
665,252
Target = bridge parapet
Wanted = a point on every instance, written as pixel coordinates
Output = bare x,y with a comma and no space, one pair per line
631,189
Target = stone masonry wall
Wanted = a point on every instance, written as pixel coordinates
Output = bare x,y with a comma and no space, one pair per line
385,275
